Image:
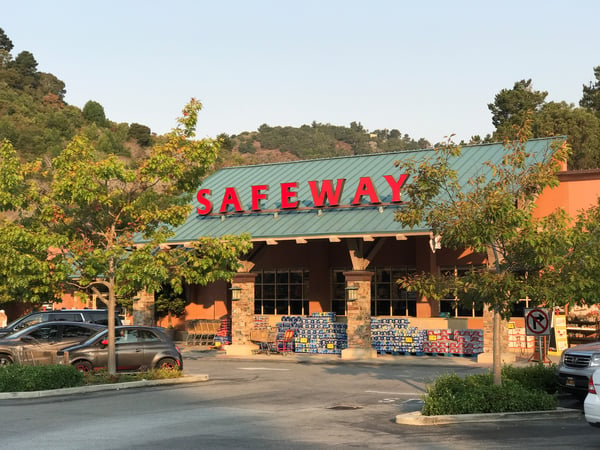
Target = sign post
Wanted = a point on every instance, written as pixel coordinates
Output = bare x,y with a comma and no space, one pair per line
537,323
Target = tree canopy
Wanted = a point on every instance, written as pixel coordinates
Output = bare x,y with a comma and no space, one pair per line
94,112
581,125
490,215
591,93
107,220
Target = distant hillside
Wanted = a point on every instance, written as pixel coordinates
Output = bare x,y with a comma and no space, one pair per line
274,144
39,123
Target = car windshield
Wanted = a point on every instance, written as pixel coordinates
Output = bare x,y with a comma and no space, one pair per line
24,322
18,334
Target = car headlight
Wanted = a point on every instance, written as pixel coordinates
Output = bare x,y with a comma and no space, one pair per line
595,361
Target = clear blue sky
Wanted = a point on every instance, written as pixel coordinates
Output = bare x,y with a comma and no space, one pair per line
426,68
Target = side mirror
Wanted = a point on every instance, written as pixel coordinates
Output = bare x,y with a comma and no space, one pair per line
104,342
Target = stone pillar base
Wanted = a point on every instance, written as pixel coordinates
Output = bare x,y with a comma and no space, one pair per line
488,358
359,353
240,349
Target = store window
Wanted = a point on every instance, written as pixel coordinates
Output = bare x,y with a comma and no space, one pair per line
281,291
518,309
451,306
387,298
338,298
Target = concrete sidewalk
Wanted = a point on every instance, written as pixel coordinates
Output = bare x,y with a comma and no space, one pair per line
196,352
103,387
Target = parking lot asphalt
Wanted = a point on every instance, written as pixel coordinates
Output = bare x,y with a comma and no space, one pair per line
413,418
567,409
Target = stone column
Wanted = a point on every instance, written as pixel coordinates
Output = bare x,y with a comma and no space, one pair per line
143,309
488,338
242,316
358,314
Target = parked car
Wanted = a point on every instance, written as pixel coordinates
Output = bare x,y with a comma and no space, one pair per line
576,366
99,316
137,348
39,343
591,405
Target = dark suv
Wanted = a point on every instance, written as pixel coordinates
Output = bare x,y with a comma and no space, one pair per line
99,316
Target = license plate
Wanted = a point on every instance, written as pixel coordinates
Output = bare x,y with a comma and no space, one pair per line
570,381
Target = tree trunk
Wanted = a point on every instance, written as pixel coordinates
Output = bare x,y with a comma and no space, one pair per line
497,347
112,360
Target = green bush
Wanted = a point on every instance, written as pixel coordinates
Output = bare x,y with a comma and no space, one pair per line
538,376
17,378
450,394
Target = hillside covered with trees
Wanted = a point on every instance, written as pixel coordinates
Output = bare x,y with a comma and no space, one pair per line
38,122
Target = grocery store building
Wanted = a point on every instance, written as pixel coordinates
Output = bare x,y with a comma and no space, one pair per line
325,241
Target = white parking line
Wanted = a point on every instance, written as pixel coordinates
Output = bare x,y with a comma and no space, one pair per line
261,368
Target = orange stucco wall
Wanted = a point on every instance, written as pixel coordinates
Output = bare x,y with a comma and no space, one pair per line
577,191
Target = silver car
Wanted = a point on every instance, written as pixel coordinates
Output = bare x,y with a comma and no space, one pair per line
576,366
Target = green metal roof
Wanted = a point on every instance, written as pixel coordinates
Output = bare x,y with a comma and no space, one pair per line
273,223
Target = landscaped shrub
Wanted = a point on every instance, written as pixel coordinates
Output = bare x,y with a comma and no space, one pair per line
16,378
450,394
538,376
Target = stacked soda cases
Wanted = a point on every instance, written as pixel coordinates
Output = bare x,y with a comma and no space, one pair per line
467,342
457,342
391,335
223,336
438,341
518,341
261,322
317,333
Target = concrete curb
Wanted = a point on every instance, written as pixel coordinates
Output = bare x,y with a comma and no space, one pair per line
416,418
103,387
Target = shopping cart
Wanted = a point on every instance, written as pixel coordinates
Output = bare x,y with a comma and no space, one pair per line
266,338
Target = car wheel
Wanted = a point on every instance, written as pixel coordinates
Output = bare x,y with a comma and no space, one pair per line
5,360
84,366
168,364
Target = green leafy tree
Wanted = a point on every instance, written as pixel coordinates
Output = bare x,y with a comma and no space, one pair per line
6,47
511,106
48,83
491,216
169,303
5,42
141,134
591,93
26,272
26,64
581,127
108,220
583,270
94,112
